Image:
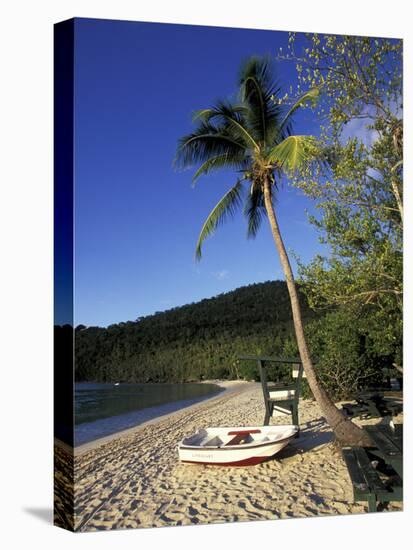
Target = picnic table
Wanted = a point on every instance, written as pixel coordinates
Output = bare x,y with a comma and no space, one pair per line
388,445
376,472
380,398
374,404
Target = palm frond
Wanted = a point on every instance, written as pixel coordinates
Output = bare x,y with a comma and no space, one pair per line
310,97
254,210
205,114
220,161
257,88
229,117
207,141
200,114
293,152
227,206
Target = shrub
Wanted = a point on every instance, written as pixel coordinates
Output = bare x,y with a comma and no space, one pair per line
343,363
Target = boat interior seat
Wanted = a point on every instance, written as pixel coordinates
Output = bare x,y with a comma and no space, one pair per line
214,442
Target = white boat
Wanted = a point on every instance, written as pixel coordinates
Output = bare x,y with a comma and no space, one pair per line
238,446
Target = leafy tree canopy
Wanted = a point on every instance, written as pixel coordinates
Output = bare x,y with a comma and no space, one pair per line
358,189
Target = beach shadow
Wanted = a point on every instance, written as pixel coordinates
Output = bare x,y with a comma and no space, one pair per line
308,440
317,499
316,423
44,514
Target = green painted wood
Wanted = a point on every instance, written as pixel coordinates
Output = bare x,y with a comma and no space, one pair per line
373,410
356,474
281,386
272,403
356,410
395,435
389,444
371,476
367,485
384,440
398,435
372,502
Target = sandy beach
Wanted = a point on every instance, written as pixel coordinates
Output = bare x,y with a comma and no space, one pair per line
134,479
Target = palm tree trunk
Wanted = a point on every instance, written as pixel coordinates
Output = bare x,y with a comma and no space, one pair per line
346,432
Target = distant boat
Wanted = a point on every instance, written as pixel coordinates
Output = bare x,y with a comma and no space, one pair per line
242,446
116,383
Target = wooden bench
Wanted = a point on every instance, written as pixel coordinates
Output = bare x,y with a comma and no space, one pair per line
373,405
367,484
280,398
388,441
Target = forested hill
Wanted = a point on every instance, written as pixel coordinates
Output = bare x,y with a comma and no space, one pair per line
193,342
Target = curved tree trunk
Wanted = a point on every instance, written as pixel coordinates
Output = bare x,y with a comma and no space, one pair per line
346,432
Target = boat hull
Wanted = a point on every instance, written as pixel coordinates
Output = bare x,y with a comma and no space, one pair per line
255,452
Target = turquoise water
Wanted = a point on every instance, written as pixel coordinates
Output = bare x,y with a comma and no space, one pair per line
103,409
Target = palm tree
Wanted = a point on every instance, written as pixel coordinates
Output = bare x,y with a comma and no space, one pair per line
254,137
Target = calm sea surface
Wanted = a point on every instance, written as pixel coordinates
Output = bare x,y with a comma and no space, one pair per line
103,409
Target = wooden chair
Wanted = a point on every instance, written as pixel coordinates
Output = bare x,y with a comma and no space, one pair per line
280,398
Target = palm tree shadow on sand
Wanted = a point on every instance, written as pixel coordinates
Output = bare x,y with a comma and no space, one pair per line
311,438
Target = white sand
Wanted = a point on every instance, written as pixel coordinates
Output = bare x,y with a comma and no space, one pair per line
134,479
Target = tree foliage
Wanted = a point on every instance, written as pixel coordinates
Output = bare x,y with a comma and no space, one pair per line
358,190
203,341
190,343
251,136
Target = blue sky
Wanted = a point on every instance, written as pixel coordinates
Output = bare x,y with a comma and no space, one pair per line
136,218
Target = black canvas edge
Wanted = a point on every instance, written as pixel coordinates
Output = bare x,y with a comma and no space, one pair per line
63,274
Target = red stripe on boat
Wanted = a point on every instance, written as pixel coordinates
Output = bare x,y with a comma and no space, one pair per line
244,432
252,461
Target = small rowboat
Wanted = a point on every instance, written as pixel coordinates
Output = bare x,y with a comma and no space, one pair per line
242,446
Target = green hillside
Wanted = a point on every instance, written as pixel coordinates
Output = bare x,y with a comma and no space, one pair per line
193,342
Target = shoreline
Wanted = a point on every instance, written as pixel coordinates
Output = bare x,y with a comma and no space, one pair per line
227,385
134,479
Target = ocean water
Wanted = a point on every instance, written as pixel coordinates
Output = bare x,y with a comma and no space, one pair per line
103,409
